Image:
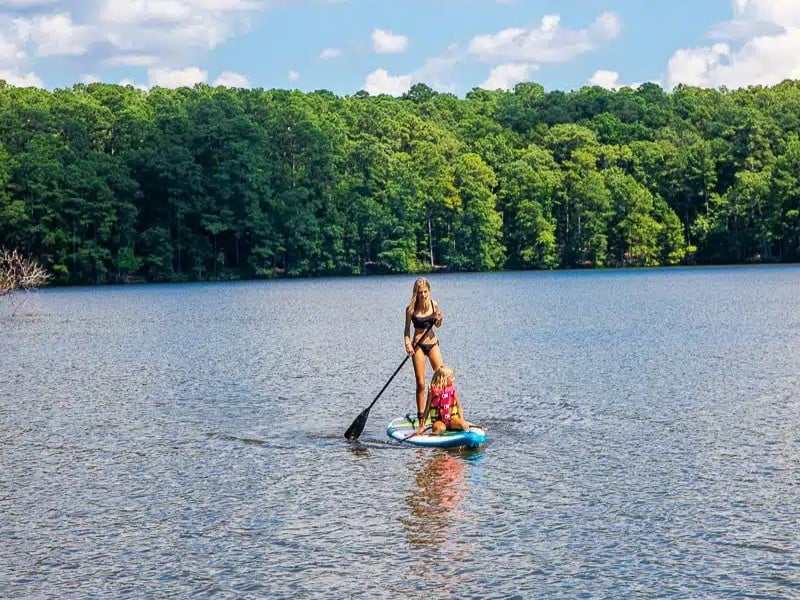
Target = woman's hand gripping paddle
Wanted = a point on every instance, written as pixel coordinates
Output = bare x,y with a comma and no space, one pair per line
357,427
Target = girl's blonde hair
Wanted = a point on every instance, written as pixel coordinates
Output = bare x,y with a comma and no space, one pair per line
419,283
440,377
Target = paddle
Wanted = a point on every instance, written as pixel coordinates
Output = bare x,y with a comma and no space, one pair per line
357,427
412,434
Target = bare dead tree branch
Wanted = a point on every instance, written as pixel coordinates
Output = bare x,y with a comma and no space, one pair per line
19,272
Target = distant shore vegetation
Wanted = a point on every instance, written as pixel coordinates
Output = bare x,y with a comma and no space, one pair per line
104,183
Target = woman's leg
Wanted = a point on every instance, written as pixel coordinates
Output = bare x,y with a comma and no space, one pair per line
418,359
438,427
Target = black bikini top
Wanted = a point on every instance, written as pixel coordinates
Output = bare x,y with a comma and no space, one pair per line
426,321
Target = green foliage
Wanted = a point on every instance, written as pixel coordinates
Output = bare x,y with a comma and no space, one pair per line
529,190
103,183
479,226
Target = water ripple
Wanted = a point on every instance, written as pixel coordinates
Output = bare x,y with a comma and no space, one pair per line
186,441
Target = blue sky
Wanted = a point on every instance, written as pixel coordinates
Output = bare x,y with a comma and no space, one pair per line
385,46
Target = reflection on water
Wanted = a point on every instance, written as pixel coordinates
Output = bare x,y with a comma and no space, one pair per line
435,501
440,522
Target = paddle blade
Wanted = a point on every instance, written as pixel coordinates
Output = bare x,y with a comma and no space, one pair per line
357,427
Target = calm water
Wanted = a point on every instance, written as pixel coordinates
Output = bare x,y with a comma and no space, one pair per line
186,441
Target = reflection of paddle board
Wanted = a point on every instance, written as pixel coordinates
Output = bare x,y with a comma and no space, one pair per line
400,428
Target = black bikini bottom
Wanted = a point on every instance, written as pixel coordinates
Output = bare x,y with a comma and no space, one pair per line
426,347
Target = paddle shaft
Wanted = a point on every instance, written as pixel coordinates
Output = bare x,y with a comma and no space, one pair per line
357,426
409,436
397,370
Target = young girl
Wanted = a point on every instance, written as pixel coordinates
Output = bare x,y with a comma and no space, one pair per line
443,401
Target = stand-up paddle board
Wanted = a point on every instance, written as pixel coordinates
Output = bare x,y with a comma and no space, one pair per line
399,429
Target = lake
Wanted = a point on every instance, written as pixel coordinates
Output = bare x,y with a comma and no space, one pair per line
179,441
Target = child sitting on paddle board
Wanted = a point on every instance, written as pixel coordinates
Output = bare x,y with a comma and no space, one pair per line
443,404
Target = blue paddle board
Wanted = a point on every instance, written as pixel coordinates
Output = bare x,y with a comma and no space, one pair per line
400,428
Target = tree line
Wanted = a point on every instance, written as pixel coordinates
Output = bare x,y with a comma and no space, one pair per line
105,183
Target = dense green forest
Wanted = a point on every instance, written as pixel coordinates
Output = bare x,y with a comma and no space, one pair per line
103,183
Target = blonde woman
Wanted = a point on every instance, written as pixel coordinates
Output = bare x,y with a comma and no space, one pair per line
443,404
422,315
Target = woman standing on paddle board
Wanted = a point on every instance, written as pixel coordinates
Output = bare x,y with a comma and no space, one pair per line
423,314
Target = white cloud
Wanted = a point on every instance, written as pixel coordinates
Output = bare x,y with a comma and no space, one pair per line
437,71
546,43
142,11
505,77
386,42
57,35
133,60
232,80
90,78
11,52
739,29
183,40
293,75
763,43
329,53
132,33
605,79
228,5
26,4
132,83
695,66
17,80
610,80
780,12
380,82
174,78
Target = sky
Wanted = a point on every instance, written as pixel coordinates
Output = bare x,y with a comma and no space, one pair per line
386,46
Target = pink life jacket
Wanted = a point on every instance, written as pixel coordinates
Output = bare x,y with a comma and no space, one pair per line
443,401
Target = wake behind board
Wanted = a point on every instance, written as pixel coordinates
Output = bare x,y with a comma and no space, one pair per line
400,428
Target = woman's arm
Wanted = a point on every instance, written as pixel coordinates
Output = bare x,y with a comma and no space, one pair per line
439,315
407,335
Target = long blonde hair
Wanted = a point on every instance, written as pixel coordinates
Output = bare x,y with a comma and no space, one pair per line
419,283
440,377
